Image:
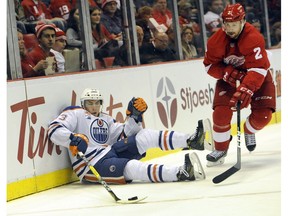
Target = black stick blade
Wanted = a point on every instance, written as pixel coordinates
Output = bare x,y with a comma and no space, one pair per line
225,175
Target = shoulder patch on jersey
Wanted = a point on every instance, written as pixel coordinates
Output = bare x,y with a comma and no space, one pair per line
71,108
250,34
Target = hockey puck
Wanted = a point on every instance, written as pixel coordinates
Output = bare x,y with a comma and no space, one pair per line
133,198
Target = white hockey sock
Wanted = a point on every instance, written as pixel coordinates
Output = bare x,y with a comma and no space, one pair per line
137,170
166,140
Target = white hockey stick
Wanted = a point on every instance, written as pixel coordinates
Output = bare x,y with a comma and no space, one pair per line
131,200
237,166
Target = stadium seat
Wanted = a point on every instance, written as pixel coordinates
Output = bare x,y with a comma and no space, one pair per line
72,60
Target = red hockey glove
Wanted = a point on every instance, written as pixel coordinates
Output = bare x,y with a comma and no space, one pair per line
244,95
79,142
231,75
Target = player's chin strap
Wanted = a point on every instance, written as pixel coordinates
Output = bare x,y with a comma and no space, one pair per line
134,199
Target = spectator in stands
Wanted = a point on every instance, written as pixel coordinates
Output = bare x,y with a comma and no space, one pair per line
36,10
157,51
20,16
73,35
60,8
256,23
161,13
29,69
188,48
188,16
212,18
122,58
104,43
111,20
58,48
276,35
185,14
46,37
73,30
140,35
171,36
143,15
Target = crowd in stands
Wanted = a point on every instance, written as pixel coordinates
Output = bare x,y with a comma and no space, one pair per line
47,27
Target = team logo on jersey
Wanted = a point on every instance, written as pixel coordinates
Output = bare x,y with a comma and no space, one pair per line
99,131
166,102
234,60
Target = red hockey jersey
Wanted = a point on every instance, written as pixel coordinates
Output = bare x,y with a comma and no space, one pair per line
247,53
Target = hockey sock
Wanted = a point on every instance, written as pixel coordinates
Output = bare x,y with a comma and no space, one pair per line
257,120
137,170
165,140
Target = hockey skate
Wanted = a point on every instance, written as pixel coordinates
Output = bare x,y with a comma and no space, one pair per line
192,168
250,141
197,141
216,158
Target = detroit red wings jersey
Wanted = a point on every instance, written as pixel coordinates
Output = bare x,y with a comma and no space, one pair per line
247,53
60,8
35,11
101,131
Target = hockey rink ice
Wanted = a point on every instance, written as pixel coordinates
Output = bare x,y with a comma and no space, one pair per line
255,190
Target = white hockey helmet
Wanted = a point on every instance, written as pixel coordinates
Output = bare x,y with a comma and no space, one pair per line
91,94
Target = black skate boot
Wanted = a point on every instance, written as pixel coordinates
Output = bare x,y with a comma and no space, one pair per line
196,141
250,141
216,158
192,168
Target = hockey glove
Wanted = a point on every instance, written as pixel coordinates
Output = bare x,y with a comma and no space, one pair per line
244,95
79,142
231,75
136,108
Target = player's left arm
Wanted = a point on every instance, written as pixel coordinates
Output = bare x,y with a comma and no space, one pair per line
257,64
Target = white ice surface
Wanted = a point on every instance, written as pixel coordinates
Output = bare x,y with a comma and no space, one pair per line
252,191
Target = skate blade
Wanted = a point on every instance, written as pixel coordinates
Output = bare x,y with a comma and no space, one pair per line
198,169
217,163
208,141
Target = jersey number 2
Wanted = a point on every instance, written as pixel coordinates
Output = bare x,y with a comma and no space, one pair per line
258,54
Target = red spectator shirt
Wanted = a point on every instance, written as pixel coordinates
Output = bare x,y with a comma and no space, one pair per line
38,54
27,66
60,8
34,12
165,19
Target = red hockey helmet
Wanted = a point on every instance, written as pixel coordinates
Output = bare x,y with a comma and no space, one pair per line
233,12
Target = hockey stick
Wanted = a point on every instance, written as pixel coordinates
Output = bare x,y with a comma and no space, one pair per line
131,200
237,166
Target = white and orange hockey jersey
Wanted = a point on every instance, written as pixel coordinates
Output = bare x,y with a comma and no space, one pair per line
102,132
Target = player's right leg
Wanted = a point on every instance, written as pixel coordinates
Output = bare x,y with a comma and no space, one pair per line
222,116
